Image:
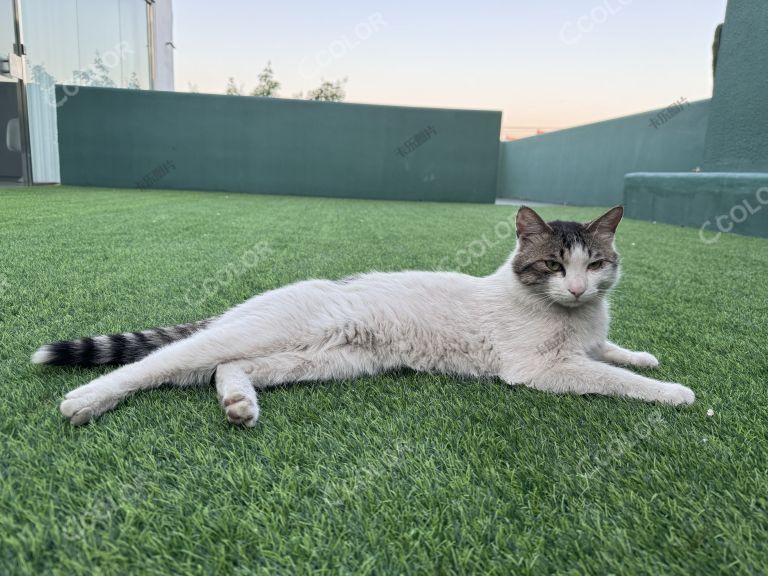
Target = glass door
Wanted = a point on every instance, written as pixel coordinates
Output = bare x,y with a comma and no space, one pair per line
15,167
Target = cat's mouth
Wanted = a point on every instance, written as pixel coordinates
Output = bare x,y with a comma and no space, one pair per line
572,301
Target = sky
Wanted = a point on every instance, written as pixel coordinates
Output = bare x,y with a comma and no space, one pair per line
547,65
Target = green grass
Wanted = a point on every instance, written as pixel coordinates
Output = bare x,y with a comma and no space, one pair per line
402,473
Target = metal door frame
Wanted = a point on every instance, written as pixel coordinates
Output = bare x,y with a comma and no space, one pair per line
21,98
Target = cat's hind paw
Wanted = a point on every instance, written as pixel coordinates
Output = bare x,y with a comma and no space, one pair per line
88,402
241,409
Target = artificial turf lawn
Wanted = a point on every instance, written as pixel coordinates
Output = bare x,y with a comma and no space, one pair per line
402,473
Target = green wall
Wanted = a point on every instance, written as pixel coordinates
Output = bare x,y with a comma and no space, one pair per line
731,194
714,202
586,165
132,138
737,139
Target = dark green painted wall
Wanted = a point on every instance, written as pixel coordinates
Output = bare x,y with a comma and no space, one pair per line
737,139
731,194
131,138
715,203
586,165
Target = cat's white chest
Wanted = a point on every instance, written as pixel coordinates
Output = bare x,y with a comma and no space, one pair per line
528,342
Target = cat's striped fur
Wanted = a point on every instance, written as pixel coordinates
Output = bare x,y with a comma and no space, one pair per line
114,349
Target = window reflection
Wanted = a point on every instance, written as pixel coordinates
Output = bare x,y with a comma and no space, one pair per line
98,26
87,42
133,36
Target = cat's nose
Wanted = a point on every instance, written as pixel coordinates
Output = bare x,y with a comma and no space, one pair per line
576,290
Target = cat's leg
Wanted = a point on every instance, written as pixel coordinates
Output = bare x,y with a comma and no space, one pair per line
289,367
187,361
586,376
237,394
199,355
236,382
89,401
614,354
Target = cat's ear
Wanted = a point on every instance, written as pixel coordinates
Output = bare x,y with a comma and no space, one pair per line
607,223
528,223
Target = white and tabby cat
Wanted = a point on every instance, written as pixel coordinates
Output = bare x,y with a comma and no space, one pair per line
540,320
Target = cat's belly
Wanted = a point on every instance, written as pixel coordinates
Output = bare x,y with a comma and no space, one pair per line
421,348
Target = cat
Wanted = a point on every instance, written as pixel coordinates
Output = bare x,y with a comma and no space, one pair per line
541,320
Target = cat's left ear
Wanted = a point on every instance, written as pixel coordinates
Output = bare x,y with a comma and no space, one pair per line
608,222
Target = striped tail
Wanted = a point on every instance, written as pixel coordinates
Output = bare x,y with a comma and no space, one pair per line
115,348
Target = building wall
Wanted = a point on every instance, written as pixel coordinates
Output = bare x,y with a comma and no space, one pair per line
731,194
586,165
737,139
86,43
133,138
164,47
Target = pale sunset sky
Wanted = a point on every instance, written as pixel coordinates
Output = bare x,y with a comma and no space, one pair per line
547,64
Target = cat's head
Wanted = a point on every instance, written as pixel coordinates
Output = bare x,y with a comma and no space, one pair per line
568,263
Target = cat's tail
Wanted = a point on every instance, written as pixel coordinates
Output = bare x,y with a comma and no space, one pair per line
122,348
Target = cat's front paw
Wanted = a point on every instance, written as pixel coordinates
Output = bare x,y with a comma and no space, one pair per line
644,360
84,404
676,395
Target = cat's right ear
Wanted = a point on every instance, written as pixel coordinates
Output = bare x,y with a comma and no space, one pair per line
528,224
607,223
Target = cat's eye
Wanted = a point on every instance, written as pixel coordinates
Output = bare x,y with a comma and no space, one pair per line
554,266
596,265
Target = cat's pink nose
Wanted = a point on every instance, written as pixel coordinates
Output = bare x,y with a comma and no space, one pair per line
576,290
